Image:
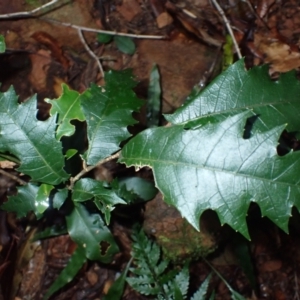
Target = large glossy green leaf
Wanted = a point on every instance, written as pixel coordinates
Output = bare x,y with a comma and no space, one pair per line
31,140
108,111
23,202
211,166
237,90
88,231
68,108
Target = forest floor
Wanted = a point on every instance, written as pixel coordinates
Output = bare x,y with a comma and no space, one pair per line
187,46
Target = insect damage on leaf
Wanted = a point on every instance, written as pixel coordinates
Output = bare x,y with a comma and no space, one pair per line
211,165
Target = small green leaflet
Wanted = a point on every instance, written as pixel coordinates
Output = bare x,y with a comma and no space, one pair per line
42,198
125,44
115,292
68,108
108,111
88,231
2,44
59,198
154,99
104,197
31,140
23,202
203,162
104,38
75,263
201,293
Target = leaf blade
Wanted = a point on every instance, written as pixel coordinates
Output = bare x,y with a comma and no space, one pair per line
225,177
31,140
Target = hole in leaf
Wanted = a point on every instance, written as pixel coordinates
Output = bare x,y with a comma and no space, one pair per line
287,142
249,126
104,247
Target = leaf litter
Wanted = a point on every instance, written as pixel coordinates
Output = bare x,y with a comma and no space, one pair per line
183,59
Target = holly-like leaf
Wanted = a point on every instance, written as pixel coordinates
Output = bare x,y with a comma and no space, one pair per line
203,162
31,140
88,188
23,202
68,108
237,90
104,198
108,111
88,231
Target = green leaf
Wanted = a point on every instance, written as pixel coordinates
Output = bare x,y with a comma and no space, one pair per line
23,202
154,99
88,230
108,111
125,44
202,291
31,140
2,44
75,263
59,198
203,161
68,108
150,274
225,176
42,198
182,280
104,38
70,153
50,232
140,187
115,292
88,188
228,53
105,198
237,90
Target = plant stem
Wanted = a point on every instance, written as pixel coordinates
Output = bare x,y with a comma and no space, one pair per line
83,28
32,13
90,168
13,177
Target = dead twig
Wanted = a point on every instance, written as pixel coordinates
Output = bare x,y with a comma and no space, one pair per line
91,53
90,168
83,28
226,21
32,13
13,177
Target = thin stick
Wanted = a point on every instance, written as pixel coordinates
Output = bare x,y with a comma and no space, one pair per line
226,21
90,168
27,14
91,53
13,177
137,36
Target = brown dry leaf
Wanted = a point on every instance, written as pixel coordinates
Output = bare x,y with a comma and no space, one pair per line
52,44
271,266
163,20
129,9
6,164
280,55
40,65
